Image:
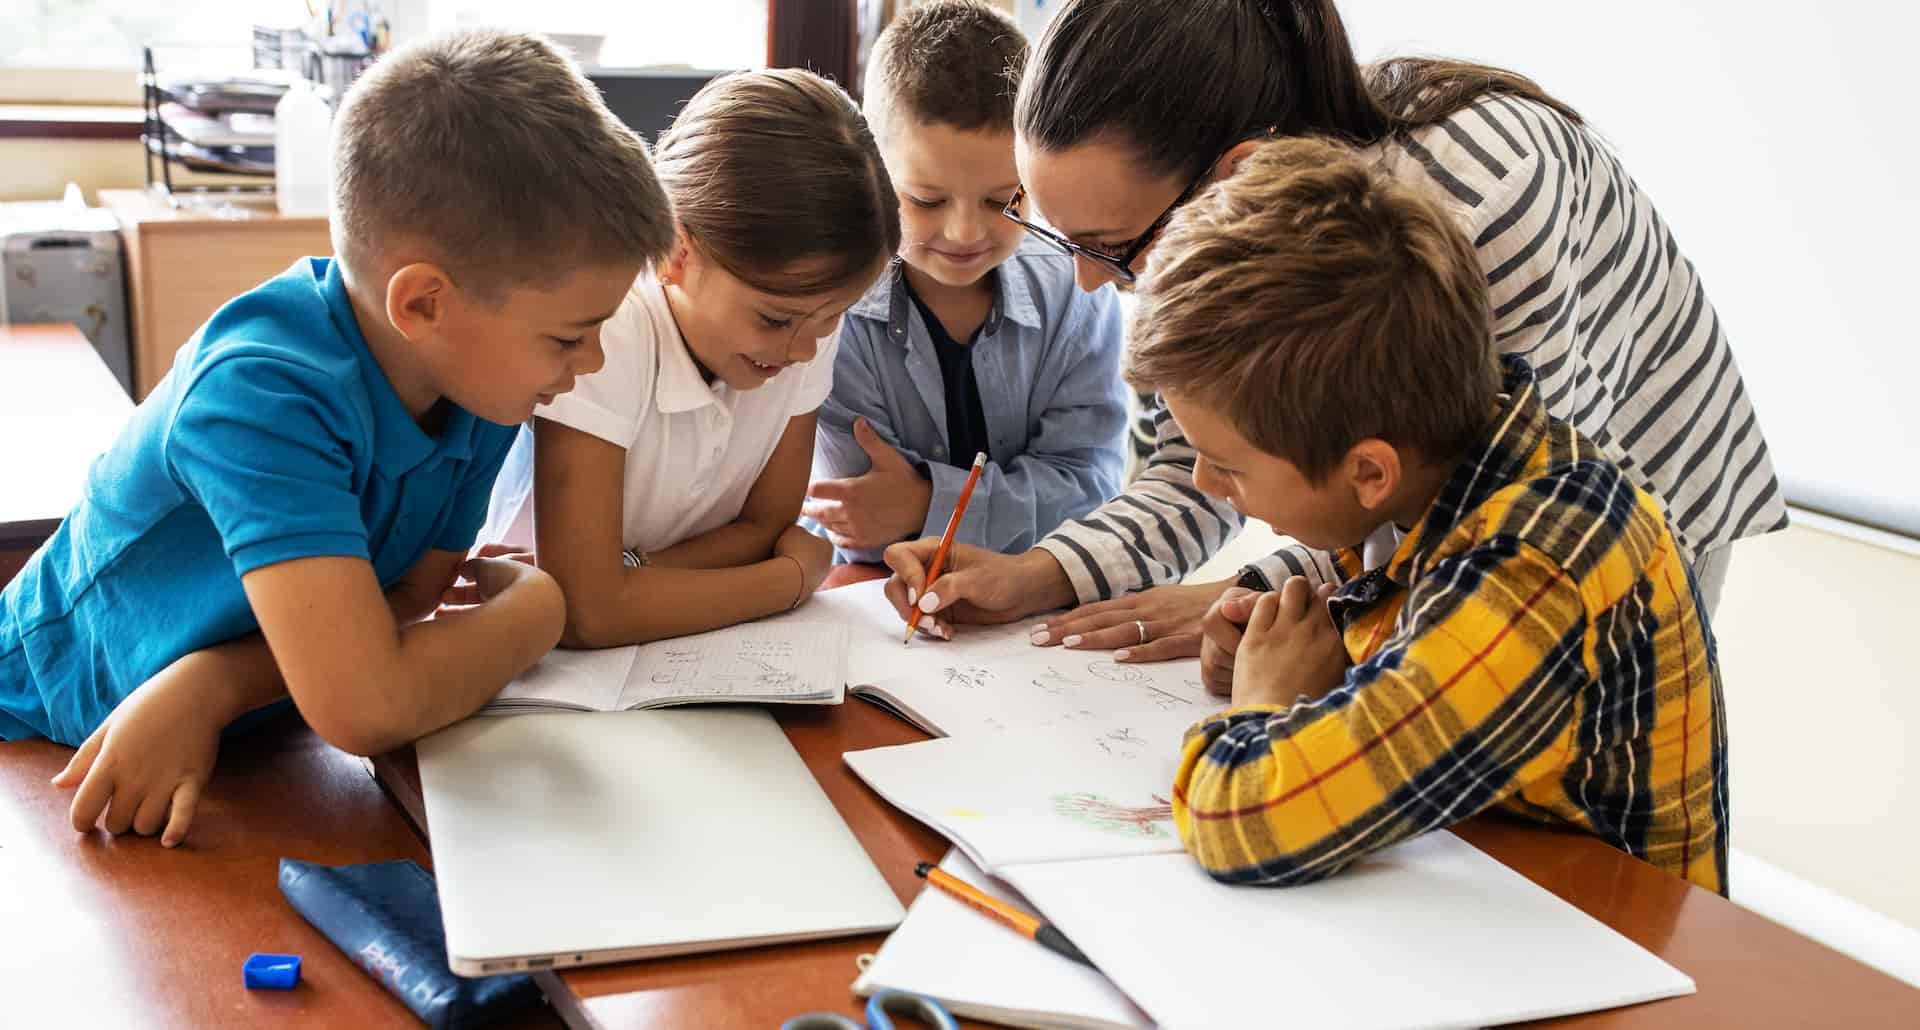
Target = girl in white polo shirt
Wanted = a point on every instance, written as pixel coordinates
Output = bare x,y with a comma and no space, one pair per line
662,491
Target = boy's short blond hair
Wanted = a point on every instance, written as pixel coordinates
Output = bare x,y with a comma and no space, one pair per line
947,62
494,152
1314,303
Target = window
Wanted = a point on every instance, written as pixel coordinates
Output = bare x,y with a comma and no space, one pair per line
709,34
109,34
1781,182
85,51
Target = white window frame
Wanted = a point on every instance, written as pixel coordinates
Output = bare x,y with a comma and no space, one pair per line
121,86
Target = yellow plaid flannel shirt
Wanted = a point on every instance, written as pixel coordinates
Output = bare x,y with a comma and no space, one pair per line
1534,646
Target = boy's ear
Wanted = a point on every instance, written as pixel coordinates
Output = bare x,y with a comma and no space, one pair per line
1230,161
418,299
1373,472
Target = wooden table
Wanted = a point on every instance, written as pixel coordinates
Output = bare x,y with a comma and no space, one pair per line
105,931
184,262
59,408
1750,972
114,932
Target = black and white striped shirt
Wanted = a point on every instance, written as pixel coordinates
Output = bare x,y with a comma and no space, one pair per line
1587,284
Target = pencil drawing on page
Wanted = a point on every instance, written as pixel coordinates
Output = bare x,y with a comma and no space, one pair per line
1054,682
1167,701
1122,742
1113,672
972,677
746,665
686,667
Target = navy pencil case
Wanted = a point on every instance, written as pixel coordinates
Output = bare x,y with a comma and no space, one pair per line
386,917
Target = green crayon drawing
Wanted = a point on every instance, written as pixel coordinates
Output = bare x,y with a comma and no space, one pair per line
1125,820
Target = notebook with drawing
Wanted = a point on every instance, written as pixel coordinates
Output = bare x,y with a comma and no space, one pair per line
991,677
1087,837
577,838
1055,777
769,663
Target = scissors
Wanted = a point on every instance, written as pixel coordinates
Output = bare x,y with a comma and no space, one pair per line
881,1008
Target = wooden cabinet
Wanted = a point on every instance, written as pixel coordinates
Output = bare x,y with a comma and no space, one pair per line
183,263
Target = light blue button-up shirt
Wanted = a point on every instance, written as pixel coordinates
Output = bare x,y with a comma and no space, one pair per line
1048,363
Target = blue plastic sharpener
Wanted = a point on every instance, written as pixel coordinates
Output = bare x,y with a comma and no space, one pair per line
269,972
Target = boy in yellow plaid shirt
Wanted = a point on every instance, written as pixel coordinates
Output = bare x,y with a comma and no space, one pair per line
1516,629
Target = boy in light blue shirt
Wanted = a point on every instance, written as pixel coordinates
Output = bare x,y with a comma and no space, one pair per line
975,340
313,469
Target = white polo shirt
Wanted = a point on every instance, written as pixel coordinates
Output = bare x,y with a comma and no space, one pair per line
694,450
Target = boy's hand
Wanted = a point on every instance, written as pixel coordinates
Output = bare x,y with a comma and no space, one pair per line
1220,637
144,767
866,512
1291,649
492,569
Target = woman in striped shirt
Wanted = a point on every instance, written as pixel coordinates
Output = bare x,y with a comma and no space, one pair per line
1130,107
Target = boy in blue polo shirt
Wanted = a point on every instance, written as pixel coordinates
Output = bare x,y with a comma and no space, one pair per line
313,469
973,342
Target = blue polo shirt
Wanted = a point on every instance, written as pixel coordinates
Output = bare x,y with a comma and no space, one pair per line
276,436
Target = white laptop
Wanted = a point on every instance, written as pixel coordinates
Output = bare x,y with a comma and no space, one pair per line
572,839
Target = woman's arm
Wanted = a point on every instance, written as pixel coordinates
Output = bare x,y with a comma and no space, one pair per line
746,569
1158,530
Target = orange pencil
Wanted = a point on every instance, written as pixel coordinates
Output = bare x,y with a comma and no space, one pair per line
1029,926
946,539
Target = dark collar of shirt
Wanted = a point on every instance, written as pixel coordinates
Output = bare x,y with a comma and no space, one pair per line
966,417
1507,447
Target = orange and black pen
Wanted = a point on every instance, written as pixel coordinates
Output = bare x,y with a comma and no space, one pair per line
946,539
1029,926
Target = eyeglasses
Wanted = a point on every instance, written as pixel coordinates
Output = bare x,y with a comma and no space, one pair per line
1117,262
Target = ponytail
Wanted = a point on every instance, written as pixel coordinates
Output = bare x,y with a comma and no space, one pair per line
1418,91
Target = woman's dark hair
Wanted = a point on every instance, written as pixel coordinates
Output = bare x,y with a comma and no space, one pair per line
1184,80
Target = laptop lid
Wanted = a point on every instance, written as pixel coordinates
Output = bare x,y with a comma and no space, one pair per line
580,838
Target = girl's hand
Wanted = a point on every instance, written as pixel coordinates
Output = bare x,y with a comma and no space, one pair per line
814,555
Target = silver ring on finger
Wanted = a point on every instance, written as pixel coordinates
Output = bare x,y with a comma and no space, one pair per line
1142,627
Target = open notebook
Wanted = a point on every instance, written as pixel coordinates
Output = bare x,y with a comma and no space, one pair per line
1088,838
847,641
766,662
982,970
1054,776
992,678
